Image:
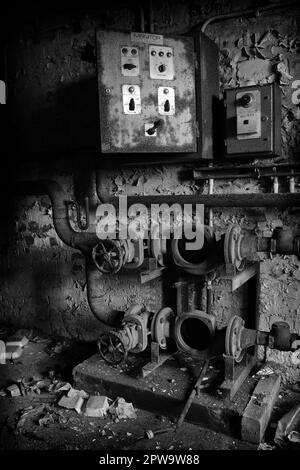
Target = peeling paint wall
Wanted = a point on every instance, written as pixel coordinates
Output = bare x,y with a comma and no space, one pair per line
54,96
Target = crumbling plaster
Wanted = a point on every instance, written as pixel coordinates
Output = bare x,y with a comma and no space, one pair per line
43,282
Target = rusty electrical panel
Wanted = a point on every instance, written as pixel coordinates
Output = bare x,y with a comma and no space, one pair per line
253,122
149,94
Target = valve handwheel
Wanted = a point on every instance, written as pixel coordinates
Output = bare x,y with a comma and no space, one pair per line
112,348
108,256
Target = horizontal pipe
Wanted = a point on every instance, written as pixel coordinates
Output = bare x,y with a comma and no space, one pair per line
218,200
242,13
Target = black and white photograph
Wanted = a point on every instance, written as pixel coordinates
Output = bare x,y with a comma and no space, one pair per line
150,231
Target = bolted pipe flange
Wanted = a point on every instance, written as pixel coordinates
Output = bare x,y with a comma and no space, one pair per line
232,247
197,262
194,333
162,326
233,338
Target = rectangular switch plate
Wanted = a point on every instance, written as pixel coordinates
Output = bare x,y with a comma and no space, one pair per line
131,99
166,101
130,62
261,135
161,63
248,118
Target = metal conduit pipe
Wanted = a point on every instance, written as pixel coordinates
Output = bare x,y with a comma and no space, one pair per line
242,13
95,297
218,200
82,241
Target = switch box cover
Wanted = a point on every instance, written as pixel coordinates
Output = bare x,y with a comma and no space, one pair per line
253,121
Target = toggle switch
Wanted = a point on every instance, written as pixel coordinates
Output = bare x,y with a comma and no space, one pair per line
130,62
166,100
167,106
129,66
131,99
131,105
151,129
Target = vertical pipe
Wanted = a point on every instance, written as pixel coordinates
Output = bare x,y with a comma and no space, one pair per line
211,212
292,182
151,17
275,185
208,297
142,19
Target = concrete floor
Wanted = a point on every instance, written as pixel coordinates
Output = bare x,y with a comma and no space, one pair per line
68,430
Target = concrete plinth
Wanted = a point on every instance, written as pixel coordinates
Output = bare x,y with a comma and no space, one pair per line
165,390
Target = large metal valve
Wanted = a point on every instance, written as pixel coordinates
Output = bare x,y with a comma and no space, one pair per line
111,255
132,337
238,339
112,348
108,256
241,245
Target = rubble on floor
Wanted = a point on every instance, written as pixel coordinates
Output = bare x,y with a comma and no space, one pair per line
288,428
37,417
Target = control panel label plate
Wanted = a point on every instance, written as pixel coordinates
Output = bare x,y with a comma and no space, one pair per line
147,38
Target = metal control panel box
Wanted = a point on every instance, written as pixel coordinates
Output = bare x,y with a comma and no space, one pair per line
146,92
253,121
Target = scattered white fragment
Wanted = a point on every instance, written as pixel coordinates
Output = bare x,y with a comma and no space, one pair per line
13,352
18,339
265,371
294,436
124,410
77,393
97,406
64,388
14,390
183,369
72,403
264,446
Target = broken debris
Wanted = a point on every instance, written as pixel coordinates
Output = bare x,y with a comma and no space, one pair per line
14,390
287,426
265,371
123,410
72,403
97,406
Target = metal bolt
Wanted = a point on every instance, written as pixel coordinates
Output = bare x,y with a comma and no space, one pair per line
131,89
166,91
169,54
153,52
107,91
161,54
